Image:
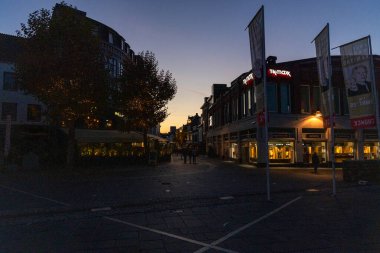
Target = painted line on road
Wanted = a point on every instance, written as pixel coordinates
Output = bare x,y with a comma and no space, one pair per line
170,235
247,225
34,195
100,209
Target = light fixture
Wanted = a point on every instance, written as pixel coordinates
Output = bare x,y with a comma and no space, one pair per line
318,114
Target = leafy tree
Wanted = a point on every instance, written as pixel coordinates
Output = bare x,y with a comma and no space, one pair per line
145,93
62,66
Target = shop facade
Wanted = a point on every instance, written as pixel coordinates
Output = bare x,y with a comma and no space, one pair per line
295,130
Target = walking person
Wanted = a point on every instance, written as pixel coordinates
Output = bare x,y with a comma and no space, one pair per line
194,154
184,152
315,160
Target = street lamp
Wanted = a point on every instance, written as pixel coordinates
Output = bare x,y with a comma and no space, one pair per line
318,114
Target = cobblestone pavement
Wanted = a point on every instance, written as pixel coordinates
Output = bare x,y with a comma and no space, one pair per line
211,206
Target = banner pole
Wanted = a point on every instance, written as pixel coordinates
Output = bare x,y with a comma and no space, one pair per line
376,97
266,112
332,132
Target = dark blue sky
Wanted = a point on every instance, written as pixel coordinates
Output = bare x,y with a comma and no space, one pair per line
203,41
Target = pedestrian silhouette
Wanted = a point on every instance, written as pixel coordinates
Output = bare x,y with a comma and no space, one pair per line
315,160
194,155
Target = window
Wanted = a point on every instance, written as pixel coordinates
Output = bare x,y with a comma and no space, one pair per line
345,103
9,109
285,98
34,113
244,105
249,100
271,97
336,101
316,99
110,38
9,81
305,98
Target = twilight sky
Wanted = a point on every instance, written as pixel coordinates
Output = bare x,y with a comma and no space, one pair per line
204,42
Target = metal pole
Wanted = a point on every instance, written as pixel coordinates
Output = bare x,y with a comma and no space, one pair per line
331,118
376,96
266,113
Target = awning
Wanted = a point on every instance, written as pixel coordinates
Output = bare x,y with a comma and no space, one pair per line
107,136
111,136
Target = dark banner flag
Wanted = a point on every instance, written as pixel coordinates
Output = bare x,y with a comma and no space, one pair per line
357,72
322,48
257,45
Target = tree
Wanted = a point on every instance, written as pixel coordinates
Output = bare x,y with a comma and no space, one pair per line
145,93
61,64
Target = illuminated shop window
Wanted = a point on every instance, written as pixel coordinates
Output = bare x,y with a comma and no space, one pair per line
281,151
253,151
344,151
371,150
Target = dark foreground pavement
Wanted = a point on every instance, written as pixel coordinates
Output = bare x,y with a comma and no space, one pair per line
207,207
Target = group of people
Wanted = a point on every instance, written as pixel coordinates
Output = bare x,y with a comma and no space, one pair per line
190,153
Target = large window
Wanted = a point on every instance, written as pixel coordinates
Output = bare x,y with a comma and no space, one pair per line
345,103
271,97
336,101
316,105
285,98
9,81
305,98
9,109
249,101
34,113
244,105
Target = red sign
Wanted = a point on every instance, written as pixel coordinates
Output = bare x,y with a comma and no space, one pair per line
364,122
326,121
248,80
279,73
261,118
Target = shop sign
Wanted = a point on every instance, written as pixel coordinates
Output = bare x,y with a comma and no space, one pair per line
279,73
343,136
371,136
314,136
248,80
280,135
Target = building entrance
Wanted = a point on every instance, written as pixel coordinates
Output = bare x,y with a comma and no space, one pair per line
309,147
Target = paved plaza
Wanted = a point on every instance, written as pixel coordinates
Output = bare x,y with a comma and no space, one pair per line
211,206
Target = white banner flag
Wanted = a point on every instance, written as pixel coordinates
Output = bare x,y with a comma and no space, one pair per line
322,48
257,45
357,72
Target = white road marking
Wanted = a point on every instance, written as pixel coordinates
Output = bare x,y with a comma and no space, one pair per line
226,197
35,195
170,235
247,225
101,209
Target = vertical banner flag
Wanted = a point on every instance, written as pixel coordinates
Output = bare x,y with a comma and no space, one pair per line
322,48
357,72
256,39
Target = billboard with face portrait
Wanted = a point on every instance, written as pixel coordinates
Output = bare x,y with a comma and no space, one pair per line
357,72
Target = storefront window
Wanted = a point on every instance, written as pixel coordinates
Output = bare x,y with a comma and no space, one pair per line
344,151
234,150
281,152
314,146
252,151
371,150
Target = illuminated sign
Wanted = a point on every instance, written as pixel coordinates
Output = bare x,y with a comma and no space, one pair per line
279,73
248,80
